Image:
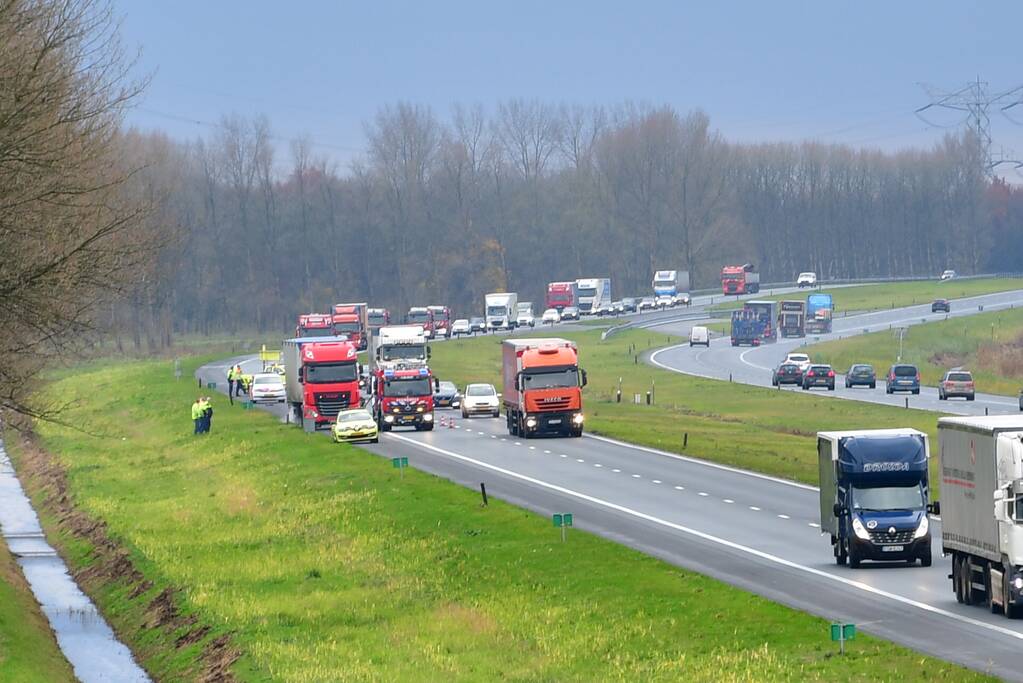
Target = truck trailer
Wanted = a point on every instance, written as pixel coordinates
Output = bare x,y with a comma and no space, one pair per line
792,319
321,378
500,310
767,312
820,309
982,509
874,493
542,387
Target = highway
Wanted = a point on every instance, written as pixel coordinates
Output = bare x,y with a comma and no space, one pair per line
753,531
754,365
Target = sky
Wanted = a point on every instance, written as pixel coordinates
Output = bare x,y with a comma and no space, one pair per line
846,72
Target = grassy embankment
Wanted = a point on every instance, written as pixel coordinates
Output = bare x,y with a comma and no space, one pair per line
28,650
319,563
988,344
766,430
896,294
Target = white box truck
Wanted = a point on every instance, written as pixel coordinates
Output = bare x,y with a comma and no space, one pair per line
982,509
594,294
500,310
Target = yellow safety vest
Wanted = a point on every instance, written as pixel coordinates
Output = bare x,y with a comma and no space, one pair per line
196,410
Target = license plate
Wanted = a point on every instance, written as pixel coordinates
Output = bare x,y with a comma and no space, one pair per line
892,549
556,421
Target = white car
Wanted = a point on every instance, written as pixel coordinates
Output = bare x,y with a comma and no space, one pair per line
647,303
570,313
682,299
948,275
525,319
267,387
551,316
664,301
699,335
800,359
460,326
807,279
481,399
618,307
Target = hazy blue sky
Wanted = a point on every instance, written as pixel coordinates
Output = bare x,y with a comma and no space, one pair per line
836,71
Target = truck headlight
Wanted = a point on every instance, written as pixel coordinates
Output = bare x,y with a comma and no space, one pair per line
420,408
860,530
389,418
531,422
1018,582
428,417
577,418
924,527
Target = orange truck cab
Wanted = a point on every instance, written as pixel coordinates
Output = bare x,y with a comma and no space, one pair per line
542,387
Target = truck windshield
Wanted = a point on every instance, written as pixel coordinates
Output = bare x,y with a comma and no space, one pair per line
555,378
416,386
418,317
316,332
347,327
403,352
732,276
496,310
588,291
322,373
664,283
377,319
888,498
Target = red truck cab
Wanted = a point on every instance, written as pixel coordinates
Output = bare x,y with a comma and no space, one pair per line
441,321
315,325
377,318
561,295
351,320
542,387
321,379
403,398
740,279
421,315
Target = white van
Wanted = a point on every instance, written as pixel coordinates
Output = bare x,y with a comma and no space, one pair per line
699,335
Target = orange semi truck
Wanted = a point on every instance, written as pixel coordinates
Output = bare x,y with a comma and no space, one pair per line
543,387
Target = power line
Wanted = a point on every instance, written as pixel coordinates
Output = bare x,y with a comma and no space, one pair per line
974,101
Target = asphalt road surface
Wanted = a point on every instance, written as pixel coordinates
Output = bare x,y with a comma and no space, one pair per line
754,365
752,531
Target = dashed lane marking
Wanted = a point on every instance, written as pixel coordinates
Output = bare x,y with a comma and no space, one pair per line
754,508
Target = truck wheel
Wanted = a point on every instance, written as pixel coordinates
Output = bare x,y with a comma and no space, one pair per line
576,433
1010,610
854,557
957,577
916,392
840,556
926,559
384,427
428,427
966,576
873,385
497,413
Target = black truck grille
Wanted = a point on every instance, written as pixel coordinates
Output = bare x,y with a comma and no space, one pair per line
332,404
884,538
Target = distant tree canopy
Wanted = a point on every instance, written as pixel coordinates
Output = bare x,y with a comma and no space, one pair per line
443,211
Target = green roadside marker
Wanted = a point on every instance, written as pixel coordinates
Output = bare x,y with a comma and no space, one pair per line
842,633
211,385
400,464
247,405
562,521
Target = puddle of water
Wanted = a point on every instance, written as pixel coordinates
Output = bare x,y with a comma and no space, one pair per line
83,635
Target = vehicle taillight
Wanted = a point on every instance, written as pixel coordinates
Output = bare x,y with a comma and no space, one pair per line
918,377
831,373
810,374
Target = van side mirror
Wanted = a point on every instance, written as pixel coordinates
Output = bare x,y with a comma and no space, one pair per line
583,373
934,508
436,384
301,374
428,352
838,510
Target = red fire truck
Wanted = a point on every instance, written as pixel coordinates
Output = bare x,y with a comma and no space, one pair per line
314,325
351,320
441,321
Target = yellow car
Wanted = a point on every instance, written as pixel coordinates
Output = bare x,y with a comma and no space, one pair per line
355,425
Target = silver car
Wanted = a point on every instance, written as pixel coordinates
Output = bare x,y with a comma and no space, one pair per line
481,399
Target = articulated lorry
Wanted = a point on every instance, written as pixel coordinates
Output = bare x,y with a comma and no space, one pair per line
673,283
500,310
740,279
982,509
315,325
352,320
321,378
767,312
874,493
819,311
594,294
747,328
561,295
401,383
792,319
542,387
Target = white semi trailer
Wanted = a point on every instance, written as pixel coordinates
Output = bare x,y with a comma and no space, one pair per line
982,509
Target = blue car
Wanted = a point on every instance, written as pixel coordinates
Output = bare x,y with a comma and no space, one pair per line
903,377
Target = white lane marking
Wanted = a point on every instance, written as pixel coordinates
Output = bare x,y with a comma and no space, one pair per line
579,460
657,481
636,476
680,488
597,464
729,500
754,508
503,439
616,470
742,357
532,448
815,525
518,443
547,451
705,463
703,494
493,436
562,455
767,557
480,433
784,517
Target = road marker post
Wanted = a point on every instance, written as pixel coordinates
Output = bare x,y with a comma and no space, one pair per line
562,520
177,368
842,633
483,491
400,464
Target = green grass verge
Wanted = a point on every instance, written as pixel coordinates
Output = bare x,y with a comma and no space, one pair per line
324,565
766,430
896,294
988,344
28,650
